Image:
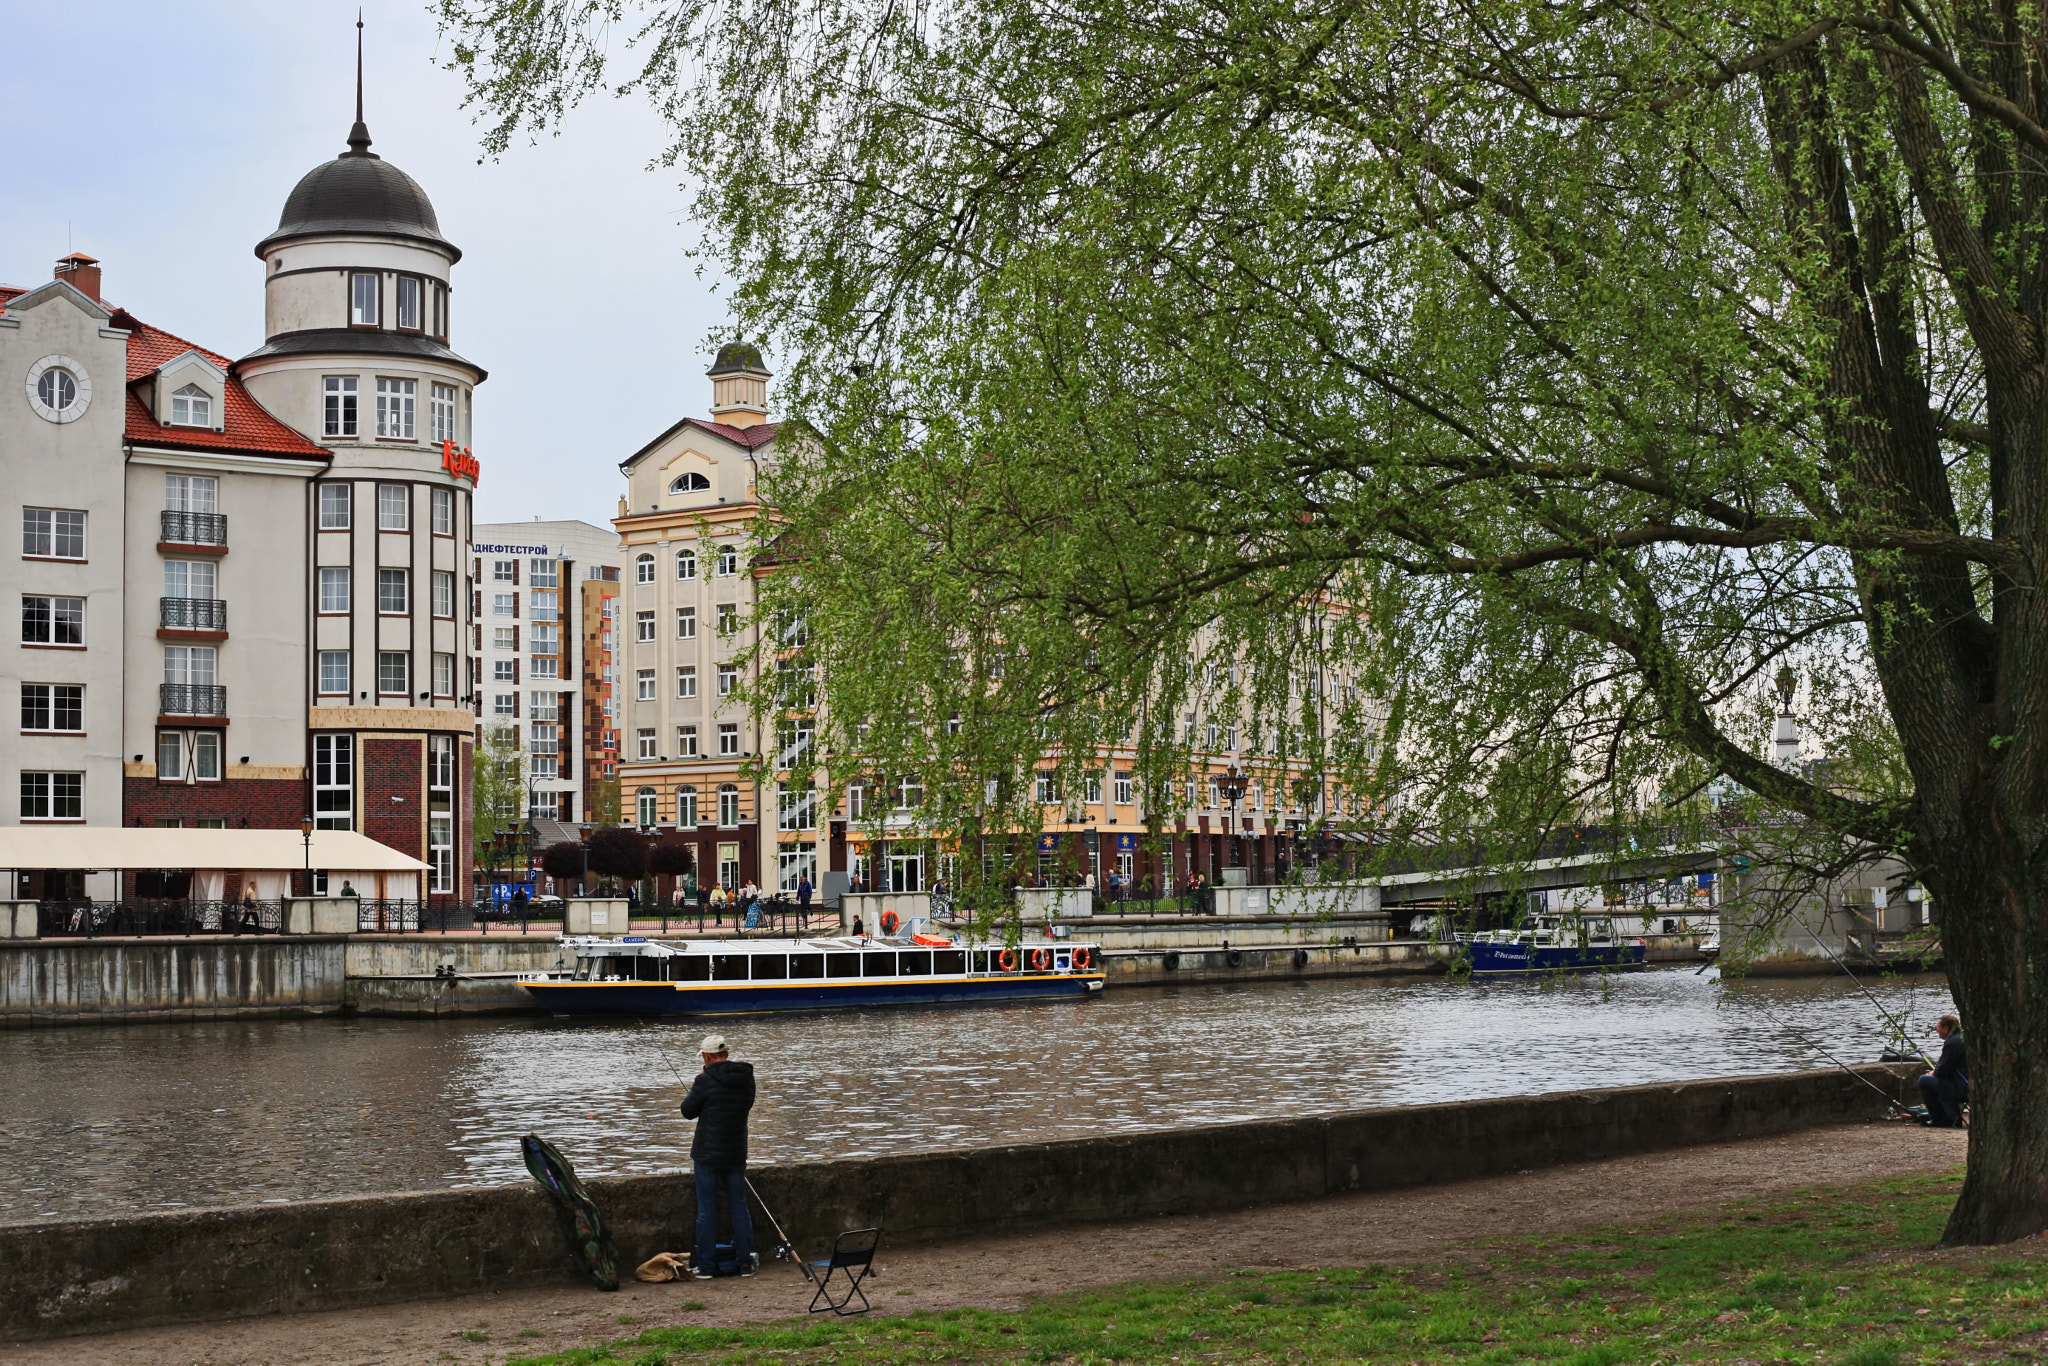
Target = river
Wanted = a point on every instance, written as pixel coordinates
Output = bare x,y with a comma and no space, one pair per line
105,1119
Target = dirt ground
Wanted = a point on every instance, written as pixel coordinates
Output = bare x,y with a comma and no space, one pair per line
1351,1230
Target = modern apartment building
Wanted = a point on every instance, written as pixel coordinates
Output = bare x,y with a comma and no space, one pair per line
539,610
244,597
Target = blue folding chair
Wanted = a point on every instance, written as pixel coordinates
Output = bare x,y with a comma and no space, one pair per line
852,1260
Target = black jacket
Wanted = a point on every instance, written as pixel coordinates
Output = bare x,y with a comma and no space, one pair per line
1952,1069
719,1100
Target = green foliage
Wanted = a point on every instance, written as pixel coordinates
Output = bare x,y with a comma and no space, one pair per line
497,787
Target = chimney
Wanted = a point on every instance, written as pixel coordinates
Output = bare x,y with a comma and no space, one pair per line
82,272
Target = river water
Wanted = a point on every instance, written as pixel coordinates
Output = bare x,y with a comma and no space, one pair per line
104,1119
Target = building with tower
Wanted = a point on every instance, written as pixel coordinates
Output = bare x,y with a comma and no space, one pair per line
245,586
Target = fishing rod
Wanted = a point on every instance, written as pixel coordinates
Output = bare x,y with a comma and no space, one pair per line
1890,1101
1895,1022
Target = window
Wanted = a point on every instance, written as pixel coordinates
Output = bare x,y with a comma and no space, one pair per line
728,561
362,299
334,673
444,593
334,507
52,706
504,671
505,704
728,737
393,590
646,807
728,679
1122,791
50,534
57,389
395,407
643,626
188,756
643,685
909,796
191,493
686,681
52,796
728,618
686,564
394,507
504,604
1048,786
334,590
728,814
646,743
643,569
190,578
441,813
856,801
689,483
409,302
797,810
686,742
444,512
504,637
334,782
191,406
440,309
444,675
546,666
544,637
52,621
686,623
394,673
1093,788
544,706
504,571
686,806
339,408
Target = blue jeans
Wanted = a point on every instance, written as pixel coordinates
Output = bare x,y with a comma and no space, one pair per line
732,1181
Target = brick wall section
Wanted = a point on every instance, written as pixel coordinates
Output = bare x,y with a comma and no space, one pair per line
393,766
245,803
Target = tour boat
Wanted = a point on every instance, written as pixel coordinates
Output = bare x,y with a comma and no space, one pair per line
635,975
1552,944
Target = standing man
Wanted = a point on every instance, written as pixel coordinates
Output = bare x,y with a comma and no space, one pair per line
1944,1090
803,898
719,1100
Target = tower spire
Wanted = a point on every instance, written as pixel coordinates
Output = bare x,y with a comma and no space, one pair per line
359,136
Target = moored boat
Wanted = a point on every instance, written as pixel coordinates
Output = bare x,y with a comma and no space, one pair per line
637,976
1552,944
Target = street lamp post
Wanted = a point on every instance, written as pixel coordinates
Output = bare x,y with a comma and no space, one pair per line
1233,785
306,834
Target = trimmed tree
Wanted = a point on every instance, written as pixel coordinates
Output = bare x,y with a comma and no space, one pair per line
618,853
562,862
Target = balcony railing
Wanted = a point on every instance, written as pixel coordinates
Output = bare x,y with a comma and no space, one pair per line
195,528
192,699
193,614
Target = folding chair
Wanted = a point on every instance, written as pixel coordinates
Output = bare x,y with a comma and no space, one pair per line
850,1250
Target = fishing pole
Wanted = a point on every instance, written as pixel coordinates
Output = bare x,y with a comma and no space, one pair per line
1893,1020
662,1049
1799,1035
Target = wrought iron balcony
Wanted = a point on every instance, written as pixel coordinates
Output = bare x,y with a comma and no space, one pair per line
193,614
192,699
195,528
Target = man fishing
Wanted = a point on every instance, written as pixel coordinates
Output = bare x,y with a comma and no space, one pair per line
1944,1089
719,1100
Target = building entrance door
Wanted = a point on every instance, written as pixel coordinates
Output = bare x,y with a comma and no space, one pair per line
906,872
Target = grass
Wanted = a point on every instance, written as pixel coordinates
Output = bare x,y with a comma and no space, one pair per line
1843,1278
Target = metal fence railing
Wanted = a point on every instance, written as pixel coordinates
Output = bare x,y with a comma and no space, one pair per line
194,528
414,917
192,699
192,614
153,916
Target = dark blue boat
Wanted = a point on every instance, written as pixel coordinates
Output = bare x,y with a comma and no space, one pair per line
635,976
1552,944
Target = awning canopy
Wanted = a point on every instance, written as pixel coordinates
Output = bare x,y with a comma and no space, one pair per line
130,847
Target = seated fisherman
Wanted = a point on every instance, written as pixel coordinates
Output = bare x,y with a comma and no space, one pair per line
1944,1090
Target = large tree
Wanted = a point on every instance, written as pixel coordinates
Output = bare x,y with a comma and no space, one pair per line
1553,373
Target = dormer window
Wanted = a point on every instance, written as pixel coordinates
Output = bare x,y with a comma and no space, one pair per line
441,310
690,483
362,299
409,303
191,406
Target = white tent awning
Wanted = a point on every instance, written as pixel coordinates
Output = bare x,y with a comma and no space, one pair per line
129,847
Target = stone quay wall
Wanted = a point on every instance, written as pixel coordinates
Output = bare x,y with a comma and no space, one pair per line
67,981
96,1275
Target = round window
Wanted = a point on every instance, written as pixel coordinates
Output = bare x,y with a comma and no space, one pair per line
57,389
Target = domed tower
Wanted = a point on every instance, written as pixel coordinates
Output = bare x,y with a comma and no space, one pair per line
356,305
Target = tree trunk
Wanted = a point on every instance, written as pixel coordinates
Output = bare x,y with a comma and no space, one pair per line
1993,903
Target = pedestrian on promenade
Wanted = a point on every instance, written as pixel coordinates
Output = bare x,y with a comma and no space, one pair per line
803,898
1944,1090
719,1100
718,904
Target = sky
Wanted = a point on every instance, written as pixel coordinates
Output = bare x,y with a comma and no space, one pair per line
163,140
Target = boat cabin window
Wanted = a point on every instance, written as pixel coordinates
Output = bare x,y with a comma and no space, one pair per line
878,964
771,967
980,959
949,960
842,965
807,965
914,964
729,967
648,968
610,968
695,967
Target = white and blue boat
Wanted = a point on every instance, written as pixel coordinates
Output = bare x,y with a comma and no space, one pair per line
1552,943
637,976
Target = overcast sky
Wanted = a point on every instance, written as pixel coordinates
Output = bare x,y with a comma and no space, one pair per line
163,139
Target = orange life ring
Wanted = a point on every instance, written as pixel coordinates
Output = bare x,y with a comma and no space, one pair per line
1041,959
889,922
1007,960
1080,960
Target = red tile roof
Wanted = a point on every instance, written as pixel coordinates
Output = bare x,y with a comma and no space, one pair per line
760,434
250,427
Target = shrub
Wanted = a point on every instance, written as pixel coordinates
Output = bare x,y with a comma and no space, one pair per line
619,853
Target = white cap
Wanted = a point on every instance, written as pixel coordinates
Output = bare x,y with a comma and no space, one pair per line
713,1043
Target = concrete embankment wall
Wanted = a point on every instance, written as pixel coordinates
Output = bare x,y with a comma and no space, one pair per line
94,1275
59,981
